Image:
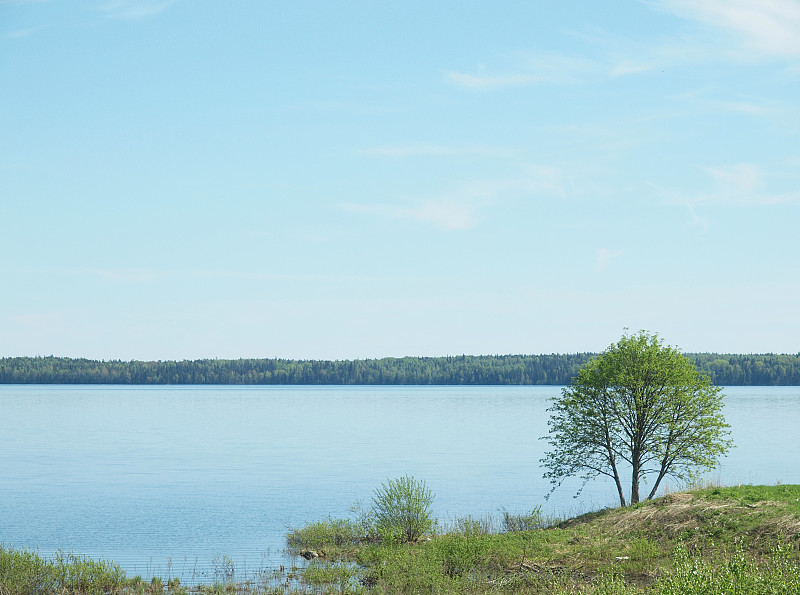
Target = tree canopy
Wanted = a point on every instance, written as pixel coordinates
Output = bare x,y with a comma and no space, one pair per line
550,369
641,406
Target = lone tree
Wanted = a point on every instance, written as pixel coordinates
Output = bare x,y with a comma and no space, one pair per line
640,405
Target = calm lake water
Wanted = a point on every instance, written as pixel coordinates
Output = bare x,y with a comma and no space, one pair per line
168,480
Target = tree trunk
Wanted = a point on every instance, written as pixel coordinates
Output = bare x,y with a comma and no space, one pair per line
655,487
662,472
635,480
612,459
619,490
618,482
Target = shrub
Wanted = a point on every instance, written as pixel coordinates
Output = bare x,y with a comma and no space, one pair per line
524,522
402,509
733,574
470,526
333,532
23,572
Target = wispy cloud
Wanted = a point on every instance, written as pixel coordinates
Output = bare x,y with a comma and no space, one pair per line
146,276
696,220
434,150
737,185
461,208
444,213
135,9
483,81
743,184
131,276
21,33
707,99
605,258
626,67
529,68
768,26
534,180
747,108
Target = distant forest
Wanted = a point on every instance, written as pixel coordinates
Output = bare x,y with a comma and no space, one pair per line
554,369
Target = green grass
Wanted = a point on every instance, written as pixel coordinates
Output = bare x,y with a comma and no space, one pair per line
24,572
332,539
723,539
726,540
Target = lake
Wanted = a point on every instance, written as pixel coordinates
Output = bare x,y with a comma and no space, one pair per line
168,480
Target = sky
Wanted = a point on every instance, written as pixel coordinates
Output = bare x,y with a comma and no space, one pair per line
185,179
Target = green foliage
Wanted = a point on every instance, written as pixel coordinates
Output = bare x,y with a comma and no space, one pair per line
642,404
733,574
622,551
553,369
461,556
326,534
338,575
470,526
364,523
524,522
402,509
24,572
450,563
451,370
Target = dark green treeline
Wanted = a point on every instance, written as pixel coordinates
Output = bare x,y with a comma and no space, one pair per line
554,369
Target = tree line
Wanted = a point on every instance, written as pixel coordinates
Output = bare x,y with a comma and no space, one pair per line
552,369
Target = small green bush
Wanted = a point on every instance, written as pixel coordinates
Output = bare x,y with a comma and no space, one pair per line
402,509
470,526
323,534
24,572
523,522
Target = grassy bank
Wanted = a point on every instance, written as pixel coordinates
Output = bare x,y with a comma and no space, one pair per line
715,540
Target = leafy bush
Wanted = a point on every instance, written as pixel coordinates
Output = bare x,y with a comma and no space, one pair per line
24,572
333,532
364,521
524,522
739,573
470,526
402,509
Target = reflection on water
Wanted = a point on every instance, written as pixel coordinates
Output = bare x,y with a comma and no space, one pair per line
170,480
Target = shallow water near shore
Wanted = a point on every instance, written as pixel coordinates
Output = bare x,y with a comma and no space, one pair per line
188,480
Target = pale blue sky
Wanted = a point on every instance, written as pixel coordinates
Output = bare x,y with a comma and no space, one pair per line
189,179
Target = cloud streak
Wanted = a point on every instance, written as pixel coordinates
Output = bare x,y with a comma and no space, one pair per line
483,82
737,185
742,184
135,9
434,150
530,68
460,209
21,33
768,26
444,213
605,257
